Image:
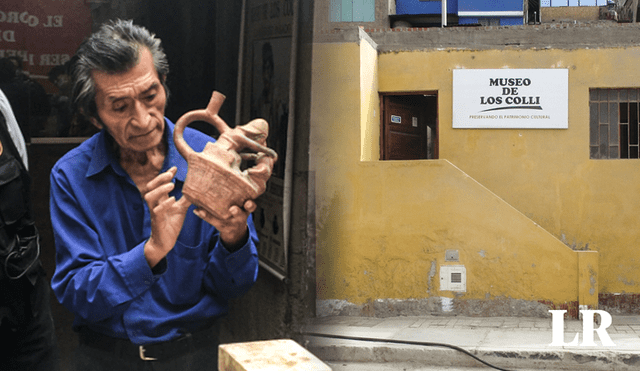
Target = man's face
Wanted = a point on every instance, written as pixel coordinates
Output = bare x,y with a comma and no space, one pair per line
131,105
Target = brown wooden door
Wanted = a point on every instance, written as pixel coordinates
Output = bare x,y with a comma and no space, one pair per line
409,127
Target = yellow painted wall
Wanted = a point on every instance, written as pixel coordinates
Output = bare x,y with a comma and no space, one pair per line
506,199
546,174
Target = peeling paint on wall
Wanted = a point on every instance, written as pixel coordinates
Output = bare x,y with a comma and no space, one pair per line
619,303
383,308
575,245
447,304
432,273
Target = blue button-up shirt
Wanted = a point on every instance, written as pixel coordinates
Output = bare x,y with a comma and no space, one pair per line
101,223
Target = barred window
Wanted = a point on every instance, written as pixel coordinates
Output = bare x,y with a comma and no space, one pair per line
614,123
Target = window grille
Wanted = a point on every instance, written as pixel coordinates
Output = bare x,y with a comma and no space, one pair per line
614,120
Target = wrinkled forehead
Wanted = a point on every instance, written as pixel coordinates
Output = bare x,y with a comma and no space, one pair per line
137,79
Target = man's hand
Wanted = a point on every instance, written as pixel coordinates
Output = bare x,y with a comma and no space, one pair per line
167,216
233,231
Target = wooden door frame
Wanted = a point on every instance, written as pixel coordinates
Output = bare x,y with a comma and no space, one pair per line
382,95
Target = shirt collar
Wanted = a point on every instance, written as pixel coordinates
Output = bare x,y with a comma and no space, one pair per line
103,155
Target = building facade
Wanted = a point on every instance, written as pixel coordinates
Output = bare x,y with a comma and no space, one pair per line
487,220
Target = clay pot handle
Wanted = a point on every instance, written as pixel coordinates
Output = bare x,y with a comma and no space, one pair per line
209,115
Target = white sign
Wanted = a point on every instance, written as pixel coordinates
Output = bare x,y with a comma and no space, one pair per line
510,99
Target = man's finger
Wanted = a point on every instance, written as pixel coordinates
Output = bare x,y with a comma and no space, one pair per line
183,203
164,205
250,206
162,178
158,194
234,211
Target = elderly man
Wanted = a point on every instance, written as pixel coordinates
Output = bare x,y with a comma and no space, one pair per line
146,274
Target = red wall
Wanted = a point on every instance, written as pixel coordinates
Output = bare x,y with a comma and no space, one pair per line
43,33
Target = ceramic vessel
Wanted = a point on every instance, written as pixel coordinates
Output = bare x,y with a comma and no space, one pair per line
215,181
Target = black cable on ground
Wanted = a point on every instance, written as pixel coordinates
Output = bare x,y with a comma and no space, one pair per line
410,342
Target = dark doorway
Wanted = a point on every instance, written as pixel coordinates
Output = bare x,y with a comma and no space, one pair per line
409,126
533,11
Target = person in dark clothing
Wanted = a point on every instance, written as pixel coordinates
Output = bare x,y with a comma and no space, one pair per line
26,323
29,100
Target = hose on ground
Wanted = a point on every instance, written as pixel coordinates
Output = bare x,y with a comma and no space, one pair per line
409,342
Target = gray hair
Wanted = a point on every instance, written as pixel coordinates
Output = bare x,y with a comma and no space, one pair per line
114,48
